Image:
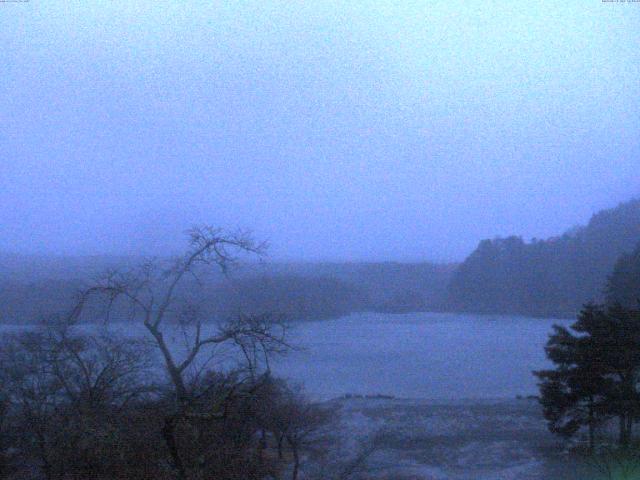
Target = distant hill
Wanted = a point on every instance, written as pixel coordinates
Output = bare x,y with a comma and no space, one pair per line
551,277
33,287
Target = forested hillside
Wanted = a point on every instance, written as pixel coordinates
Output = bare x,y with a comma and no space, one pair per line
623,286
551,277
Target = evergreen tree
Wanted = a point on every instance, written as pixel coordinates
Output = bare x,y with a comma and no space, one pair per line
596,372
615,334
573,395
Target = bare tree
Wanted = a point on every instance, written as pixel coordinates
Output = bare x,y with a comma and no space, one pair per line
5,428
159,294
69,395
152,292
296,424
34,394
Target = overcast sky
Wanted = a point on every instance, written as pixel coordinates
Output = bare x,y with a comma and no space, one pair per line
367,131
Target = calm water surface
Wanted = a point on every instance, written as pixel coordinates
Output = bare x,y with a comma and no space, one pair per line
419,355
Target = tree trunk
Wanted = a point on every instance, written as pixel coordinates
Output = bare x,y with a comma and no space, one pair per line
280,439
47,468
262,445
591,426
174,373
296,459
168,433
624,431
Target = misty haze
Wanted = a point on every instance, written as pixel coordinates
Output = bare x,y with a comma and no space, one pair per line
319,240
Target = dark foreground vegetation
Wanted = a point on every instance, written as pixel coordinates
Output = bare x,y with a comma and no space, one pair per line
94,406
102,406
592,396
597,364
596,373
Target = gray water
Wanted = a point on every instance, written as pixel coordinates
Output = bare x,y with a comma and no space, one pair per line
463,373
419,355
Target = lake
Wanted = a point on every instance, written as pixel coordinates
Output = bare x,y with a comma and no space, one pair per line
455,378
438,356
419,355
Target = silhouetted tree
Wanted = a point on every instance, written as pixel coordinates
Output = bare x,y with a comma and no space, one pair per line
616,336
78,405
572,394
596,372
69,398
162,298
5,427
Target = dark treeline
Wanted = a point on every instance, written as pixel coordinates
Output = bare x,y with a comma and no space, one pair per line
551,277
385,286
31,288
623,287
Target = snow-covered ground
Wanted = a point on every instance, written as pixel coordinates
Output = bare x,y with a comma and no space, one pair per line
464,440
